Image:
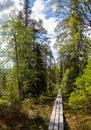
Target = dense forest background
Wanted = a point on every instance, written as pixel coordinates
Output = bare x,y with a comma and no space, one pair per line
30,76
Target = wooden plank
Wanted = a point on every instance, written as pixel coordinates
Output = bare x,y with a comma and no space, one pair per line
56,120
51,124
61,126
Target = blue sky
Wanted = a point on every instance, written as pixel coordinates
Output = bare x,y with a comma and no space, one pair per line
40,10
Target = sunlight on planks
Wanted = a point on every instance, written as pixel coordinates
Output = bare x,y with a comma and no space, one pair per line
56,120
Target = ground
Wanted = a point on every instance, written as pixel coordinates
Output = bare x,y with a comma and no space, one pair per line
34,114
77,121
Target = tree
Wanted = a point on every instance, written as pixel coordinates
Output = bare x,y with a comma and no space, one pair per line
3,81
81,97
20,52
64,8
26,13
72,44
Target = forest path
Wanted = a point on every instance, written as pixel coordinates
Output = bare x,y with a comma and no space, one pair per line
56,120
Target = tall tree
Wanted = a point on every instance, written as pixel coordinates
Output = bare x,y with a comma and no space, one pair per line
72,43
64,7
19,51
80,99
27,12
39,48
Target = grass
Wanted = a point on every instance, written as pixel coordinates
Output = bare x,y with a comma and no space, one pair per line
78,121
75,119
34,114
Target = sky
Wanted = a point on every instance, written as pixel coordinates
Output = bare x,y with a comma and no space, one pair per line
40,10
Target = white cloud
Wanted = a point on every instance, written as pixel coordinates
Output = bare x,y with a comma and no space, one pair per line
6,6
38,12
54,50
50,25
54,7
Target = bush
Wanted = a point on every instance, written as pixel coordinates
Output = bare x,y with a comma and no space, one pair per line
4,107
77,100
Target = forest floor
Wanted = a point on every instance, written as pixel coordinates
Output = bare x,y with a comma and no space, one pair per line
35,114
77,122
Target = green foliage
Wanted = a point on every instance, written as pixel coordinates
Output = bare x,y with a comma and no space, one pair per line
64,81
28,51
74,49
67,83
4,107
30,68
12,95
77,100
4,102
80,98
75,27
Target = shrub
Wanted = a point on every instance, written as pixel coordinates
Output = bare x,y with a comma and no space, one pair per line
4,107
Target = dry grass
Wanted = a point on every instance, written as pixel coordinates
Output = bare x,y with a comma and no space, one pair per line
32,115
78,121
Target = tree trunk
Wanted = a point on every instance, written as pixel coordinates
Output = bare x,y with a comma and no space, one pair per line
20,87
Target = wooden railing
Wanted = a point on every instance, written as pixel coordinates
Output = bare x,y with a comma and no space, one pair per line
56,120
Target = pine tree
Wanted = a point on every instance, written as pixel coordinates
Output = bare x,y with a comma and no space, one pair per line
72,45
20,52
81,97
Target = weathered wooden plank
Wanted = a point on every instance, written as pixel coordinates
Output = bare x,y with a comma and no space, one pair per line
56,120
51,124
61,126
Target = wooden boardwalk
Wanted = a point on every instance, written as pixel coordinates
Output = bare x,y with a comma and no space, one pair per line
56,120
